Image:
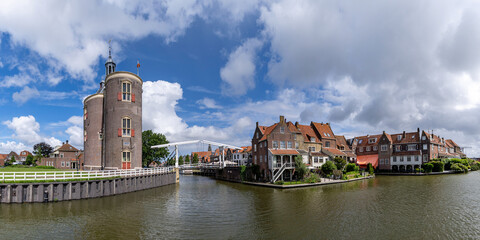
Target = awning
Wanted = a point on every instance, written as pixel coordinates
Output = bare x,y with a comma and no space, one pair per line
363,160
283,151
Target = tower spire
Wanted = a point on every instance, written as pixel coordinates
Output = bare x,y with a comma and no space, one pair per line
110,64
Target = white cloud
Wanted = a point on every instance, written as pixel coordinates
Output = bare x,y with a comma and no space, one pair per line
27,130
25,94
7,147
73,35
239,72
208,103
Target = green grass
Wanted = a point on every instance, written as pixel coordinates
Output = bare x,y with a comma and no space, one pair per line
64,180
32,169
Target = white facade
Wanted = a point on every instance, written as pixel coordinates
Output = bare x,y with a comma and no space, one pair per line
240,158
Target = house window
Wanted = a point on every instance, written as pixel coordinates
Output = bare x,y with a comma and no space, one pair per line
368,149
315,159
409,158
386,161
68,164
375,148
84,114
327,144
63,164
296,145
254,147
261,158
383,148
401,159
282,129
255,159
256,135
282,144
126,156
360,149
289,144
397,147
399,137
311,149
424,138
425,146
412,147
126,91
425,158
126,127
320,160
394,159
372,140
360,142
275,144
294,136
381,161
312,139
61,155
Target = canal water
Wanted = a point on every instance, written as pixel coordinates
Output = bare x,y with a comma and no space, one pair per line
387,207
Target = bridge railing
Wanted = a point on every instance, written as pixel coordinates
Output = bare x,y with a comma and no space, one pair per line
79,175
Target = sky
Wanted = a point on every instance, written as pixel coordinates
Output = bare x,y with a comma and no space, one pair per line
212,69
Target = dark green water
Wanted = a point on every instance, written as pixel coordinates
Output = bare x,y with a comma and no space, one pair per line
430,207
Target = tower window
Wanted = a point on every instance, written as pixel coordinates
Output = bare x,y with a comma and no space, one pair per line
126,156
126,127
126,91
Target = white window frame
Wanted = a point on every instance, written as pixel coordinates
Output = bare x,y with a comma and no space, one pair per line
126,156
383,148
282,129
375,148
399,137
126,127
367,149
275,144
63,164
412,147
282,144
312,139
126,91
289,145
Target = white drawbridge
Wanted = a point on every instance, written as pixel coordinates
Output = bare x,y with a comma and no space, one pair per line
221,146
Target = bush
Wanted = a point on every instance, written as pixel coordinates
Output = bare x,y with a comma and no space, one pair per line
351,167
475,166
243,172
300,167
280,182
427,167
438,166
312,178
328,167
370,169
450,162
458,167
339,162
45,167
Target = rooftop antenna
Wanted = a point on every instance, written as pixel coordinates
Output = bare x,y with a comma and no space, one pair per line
110,48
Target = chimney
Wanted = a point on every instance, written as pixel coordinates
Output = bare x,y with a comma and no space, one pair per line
404,135
296,124
282,119
418,130
328,124
257,124
383,132
66,141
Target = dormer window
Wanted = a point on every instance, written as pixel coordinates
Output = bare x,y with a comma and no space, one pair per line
399,137
312,139
372,140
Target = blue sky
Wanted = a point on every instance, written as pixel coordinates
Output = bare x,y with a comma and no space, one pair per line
213,68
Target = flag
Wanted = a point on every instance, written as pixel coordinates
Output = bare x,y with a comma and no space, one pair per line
138,64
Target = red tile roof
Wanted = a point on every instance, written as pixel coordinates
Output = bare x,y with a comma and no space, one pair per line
454,144
67,148
283,151
341,141
363,140
365,159
333,151
292,127
308,132
267,132
3,156
324,130
411,137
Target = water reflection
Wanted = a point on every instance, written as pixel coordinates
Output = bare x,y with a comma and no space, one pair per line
442,207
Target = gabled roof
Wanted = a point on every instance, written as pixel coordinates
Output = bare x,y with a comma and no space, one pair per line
267,132
411,137
67,148
342,142
25,153
308,132
12,153
451,142
245,149
262,129
362,141
3,156
324,130
333,152
292,127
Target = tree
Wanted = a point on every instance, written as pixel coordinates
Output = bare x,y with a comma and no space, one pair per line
171,162
187,159
30,160
351,167
149,154
180,160
328,167
339,162
370,169
300,167
195,158
41,150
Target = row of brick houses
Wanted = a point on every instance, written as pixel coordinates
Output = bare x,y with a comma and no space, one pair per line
19,158
65,156
403,151
237,157
275,147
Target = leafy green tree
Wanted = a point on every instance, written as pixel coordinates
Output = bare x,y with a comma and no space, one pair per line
30,160
149,154
171,162
328,167
300,167
187,159
180,160
195,158
351,167
41,150
370,169
339,162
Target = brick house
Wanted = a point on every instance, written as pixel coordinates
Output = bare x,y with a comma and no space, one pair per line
23,155
366,149
3,158
15,156
64,157
243,157
275,147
